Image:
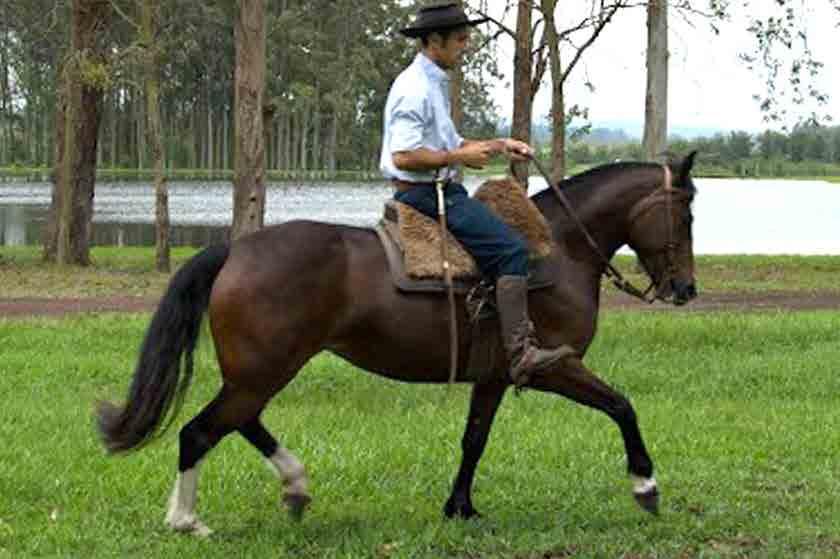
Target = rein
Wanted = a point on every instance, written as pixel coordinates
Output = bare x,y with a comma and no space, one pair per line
646,203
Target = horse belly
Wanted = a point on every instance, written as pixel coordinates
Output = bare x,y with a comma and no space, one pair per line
406,338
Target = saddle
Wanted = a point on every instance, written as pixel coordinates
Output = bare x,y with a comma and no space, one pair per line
412,241
412,246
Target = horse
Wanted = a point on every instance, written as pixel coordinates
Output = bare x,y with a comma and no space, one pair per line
282,294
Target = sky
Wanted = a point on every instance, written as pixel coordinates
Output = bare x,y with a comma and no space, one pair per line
709,87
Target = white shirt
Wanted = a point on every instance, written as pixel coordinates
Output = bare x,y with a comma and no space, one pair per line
417,114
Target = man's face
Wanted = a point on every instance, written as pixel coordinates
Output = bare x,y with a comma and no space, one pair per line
447,53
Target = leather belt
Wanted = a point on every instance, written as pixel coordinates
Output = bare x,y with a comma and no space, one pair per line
402,185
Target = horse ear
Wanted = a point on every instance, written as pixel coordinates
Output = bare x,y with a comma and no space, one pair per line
685,167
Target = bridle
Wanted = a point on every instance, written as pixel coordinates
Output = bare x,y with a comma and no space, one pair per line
665,194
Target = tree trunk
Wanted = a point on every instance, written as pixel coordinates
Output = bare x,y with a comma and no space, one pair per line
56,201
333,145
558,109
249,83
225,135
76,171
115,118
316,134
304,136
5,104
521,127
268,126
140,119
209,139
656,98
287,141
149,26
456,86
278,141
294,131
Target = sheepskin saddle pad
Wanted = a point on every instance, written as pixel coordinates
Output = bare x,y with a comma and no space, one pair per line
415,239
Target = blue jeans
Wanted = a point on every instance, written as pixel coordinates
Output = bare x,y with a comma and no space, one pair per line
497,249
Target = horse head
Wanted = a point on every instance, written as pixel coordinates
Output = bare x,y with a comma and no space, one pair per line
660,233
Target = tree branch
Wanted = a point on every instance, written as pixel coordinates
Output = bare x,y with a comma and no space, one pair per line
501,25
125,16
602,22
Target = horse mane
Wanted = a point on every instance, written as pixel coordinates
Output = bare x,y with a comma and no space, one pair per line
592,177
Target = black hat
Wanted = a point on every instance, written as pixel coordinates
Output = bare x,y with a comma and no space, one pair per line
439,18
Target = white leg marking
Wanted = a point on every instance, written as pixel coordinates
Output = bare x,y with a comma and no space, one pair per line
290,471
181,514
642,485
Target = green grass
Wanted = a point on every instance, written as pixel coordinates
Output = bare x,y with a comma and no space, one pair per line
116,271
739,412
124,271
754,273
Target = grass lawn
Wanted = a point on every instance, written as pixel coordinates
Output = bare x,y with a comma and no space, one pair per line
129,271
739,412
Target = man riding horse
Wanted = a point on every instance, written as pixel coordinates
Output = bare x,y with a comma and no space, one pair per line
420,144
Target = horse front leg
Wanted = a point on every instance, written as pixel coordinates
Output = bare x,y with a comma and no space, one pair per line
574,381
484,402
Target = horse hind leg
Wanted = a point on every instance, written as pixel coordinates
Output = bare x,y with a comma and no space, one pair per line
285,465
227,412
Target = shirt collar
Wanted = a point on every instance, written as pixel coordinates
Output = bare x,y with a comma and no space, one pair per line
432,70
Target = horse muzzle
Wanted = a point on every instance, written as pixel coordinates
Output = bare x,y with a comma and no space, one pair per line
682,292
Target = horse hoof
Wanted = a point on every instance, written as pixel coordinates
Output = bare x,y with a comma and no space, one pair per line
190,525
464,512
649,501
296,503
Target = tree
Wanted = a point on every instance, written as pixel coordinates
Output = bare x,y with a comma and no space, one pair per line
772,144
598,17
656,97
522,76
249,85
558,102
84,78
781,51
739,145
149,37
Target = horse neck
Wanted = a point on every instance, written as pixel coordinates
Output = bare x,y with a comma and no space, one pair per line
603,200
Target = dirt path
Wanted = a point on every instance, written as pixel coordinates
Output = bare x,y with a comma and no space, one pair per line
793,301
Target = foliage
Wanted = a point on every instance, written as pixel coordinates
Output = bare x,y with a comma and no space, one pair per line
807,150
782,56
330,65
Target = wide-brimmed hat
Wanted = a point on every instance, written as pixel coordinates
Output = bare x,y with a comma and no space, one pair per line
439,18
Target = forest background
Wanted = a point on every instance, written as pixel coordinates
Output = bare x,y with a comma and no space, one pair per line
329,66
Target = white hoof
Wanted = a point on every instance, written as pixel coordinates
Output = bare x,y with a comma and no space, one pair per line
643,485
189,525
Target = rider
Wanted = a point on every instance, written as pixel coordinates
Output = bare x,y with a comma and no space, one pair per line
420,143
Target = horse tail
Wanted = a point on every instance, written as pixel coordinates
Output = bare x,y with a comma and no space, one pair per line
159,385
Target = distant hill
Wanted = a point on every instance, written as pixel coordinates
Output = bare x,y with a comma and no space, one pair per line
612,132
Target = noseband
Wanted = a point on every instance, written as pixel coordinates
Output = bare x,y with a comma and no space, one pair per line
663,194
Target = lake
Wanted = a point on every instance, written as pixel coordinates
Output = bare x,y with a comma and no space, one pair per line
731,216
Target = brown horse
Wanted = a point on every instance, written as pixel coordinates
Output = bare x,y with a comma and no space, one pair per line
281,295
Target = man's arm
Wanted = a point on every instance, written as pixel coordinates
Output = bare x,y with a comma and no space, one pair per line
472,153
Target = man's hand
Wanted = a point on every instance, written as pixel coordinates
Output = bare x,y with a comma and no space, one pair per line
472,154
517,151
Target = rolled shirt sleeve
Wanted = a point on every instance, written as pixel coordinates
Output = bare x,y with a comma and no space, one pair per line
408,121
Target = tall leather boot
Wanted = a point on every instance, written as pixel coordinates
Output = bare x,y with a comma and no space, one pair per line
525,358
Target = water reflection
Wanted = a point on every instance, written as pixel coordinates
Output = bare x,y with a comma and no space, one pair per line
23,225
